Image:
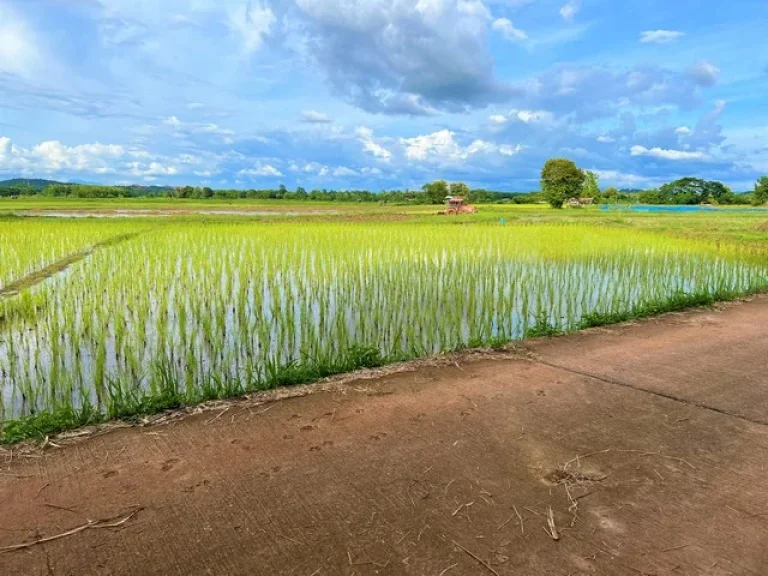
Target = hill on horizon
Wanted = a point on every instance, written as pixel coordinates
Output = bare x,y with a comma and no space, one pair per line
36,183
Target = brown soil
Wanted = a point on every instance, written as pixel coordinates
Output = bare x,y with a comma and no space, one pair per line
648,443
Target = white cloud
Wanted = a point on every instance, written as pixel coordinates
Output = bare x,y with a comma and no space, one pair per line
150,170
365,136
314,117
508,30
309,168
480,146
682,130
622,179
665,154
5,147
343,171
19,51
263,170
182,129
507,150
659,36
704,73
533,116
570,9
251,22
438,145
524,116
54,157
195,105
606,139
172,121
441,147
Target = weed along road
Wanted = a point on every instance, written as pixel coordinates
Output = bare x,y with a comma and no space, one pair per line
635,449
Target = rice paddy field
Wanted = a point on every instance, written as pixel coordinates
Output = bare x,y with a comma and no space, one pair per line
149,313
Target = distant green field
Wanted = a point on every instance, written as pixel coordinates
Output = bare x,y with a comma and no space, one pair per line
104,317
721,224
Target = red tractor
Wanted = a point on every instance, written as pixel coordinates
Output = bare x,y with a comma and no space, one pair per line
456,205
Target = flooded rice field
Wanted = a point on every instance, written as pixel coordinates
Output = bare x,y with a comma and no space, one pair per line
178,311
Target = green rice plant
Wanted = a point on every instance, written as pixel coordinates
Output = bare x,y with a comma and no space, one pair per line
28,244
189,311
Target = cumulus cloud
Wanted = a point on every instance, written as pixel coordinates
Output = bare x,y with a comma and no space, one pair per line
314,117
343,172
5,147
54,157
532,116
309,168
569,10
659,36
398,57
508,30
149,171
587,92
704,73
507,150
665,154
438,145
606,139
365,136
260,171
322,170
251,22
441,147
542,117
622,179
682,130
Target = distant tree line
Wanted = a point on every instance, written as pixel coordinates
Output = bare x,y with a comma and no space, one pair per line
562,181
432,193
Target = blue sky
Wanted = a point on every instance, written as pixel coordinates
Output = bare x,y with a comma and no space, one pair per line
382,94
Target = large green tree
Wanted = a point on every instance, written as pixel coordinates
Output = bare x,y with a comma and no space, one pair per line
460,189
760,196
561,179
436,191
611,194
591,185
695,191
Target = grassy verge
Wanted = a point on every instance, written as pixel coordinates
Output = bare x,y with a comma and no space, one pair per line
167,392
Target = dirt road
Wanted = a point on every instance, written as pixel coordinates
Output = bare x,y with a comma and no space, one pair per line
648,443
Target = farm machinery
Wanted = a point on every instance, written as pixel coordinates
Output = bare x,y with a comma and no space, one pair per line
456,205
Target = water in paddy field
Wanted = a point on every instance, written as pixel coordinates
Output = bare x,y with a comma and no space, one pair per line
676,208
212,306
142,213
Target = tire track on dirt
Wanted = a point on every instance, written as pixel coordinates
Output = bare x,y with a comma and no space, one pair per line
615,382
